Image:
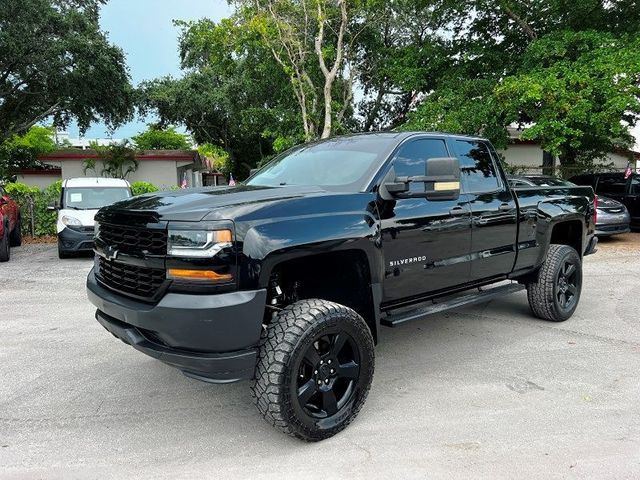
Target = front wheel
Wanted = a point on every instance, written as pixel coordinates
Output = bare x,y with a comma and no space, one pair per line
314,370
62,253
16,235
555,294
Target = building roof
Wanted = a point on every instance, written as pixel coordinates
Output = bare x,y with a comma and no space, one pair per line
80,155
94,182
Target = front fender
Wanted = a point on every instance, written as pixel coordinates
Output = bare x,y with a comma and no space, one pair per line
266,245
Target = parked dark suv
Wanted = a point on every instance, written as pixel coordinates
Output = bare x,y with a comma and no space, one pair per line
614,185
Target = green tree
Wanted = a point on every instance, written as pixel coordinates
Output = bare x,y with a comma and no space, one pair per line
118,160
56,63
307,38
157,138
233,93
578,95
565,73
22,151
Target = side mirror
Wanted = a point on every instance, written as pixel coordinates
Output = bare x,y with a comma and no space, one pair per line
441,182
442,179
52,207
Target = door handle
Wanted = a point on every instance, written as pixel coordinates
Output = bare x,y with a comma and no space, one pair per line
458,211
505,207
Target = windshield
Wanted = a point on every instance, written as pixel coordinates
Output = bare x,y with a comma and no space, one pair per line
92,198
341,164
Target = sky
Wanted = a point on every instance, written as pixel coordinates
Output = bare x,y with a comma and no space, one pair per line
145,32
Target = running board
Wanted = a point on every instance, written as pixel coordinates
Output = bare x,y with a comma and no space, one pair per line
449,303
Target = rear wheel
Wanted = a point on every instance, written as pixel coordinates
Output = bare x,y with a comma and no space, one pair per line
555,294
16,235
4,245
315,369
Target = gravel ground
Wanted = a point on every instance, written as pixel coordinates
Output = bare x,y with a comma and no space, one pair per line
486,392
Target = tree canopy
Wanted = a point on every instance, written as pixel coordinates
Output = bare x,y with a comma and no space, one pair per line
157,138
55,63
280,72
22,151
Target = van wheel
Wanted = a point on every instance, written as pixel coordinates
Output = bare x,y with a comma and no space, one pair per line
5,252
314,369
555,294
62,254
16,235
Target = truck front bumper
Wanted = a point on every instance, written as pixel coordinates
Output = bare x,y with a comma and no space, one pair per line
213,338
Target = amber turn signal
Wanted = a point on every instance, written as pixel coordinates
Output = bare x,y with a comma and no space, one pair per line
181,274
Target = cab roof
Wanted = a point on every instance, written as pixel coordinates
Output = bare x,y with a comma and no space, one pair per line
88,182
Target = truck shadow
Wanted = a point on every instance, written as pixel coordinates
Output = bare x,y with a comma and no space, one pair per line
415,354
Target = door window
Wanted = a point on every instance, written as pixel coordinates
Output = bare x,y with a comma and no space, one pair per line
411,160
635,185
477,169
612,185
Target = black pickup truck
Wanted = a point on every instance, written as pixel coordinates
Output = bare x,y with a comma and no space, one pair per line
287,279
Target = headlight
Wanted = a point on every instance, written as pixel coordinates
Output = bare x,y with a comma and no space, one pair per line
197,243
71,221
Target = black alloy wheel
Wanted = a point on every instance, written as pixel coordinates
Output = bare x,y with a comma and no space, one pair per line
567,284
327,374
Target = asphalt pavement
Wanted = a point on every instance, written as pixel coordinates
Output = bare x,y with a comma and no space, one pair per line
485,392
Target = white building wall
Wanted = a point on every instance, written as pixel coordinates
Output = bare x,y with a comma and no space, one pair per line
523,155
619,161
162,173
40,181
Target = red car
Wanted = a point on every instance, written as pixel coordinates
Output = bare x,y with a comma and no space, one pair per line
10,234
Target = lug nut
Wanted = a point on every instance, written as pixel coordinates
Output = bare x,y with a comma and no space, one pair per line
327,381
319,382
321,362
329,362
332,371
315,372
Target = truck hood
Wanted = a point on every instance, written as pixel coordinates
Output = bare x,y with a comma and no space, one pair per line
195,204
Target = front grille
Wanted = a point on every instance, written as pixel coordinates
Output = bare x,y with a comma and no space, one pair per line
130,279
134,240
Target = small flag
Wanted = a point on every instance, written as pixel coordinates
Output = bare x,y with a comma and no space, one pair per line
627,171
183,184
232,182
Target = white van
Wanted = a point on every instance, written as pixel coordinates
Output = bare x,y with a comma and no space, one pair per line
80,200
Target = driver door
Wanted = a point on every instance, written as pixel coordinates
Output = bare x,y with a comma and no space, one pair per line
426,243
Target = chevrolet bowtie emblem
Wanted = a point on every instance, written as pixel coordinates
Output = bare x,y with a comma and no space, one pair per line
110,253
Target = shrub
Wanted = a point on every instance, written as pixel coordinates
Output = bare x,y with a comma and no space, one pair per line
33,202
139,188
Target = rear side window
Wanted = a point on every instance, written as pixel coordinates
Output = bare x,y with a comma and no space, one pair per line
411,160
478,170
635,185
612,184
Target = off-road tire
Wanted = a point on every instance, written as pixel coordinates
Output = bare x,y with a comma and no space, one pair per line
16,235
543,293
5,251
282,348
